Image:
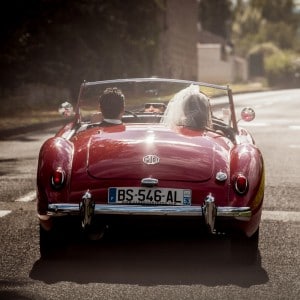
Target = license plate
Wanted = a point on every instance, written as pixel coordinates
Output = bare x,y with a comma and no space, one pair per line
149,196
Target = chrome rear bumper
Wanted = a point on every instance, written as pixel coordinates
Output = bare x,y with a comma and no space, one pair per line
87,208
62,209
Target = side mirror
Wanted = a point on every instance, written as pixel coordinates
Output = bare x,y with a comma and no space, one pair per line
66,109
248,114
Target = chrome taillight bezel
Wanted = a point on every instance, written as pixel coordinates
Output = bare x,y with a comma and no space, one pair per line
241,189
58,184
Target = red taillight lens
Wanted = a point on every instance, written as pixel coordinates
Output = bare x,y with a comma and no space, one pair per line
58,178
241,184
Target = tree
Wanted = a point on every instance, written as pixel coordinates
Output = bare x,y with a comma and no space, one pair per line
265,31
62,42
245,29
215,16
263,21
275,11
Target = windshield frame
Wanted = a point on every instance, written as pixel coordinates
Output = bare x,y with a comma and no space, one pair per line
225,89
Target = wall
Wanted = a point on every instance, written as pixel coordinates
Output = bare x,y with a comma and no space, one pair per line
177,55
213,69
210,66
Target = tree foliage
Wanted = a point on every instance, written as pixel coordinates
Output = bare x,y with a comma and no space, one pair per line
62,42
283,69
215,16
276,11
259,29
262,21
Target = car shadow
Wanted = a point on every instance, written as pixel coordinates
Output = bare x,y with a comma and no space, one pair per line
150,258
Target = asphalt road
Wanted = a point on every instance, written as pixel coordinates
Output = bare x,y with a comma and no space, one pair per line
147,265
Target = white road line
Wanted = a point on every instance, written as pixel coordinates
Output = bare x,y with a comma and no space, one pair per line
27,197
4,213
261,124
284,216
271,123
294,127
294,146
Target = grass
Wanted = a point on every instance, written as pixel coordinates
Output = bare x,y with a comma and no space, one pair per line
251,87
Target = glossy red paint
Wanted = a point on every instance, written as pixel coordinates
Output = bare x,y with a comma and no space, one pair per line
98,158
56,153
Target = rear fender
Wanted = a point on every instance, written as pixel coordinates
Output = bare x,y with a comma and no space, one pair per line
55,153
246,159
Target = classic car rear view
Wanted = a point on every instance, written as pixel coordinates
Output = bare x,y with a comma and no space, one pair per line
154,164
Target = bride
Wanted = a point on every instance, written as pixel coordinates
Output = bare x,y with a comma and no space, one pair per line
188,108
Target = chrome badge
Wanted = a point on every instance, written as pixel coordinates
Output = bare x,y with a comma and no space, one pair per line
151,159
221,176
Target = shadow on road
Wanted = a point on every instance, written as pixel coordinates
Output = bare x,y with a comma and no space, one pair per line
150,258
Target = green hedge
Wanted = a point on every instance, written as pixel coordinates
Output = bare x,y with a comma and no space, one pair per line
283,69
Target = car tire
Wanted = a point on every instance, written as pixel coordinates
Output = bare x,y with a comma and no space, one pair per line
52,242
46,243
244,250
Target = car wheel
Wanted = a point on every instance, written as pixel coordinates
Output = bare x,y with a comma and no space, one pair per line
96,232
245,249
46,243
51,242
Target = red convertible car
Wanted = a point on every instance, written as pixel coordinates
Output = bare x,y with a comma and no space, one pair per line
189,160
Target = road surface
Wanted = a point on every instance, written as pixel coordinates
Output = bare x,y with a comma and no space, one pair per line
161,267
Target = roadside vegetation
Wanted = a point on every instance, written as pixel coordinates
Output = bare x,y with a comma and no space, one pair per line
28,116
268,33
45,46
24,119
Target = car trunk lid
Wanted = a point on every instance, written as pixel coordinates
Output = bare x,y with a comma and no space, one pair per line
162,154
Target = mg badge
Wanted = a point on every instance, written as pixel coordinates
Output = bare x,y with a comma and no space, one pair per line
151,159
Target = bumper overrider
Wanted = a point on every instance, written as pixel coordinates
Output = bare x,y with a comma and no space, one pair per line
87,209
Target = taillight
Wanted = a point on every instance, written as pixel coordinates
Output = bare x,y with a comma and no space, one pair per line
241,184
58,178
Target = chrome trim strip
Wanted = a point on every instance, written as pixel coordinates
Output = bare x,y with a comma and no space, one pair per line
150,182
61,209
122,80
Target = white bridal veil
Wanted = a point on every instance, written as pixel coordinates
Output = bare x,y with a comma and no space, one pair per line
189,108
